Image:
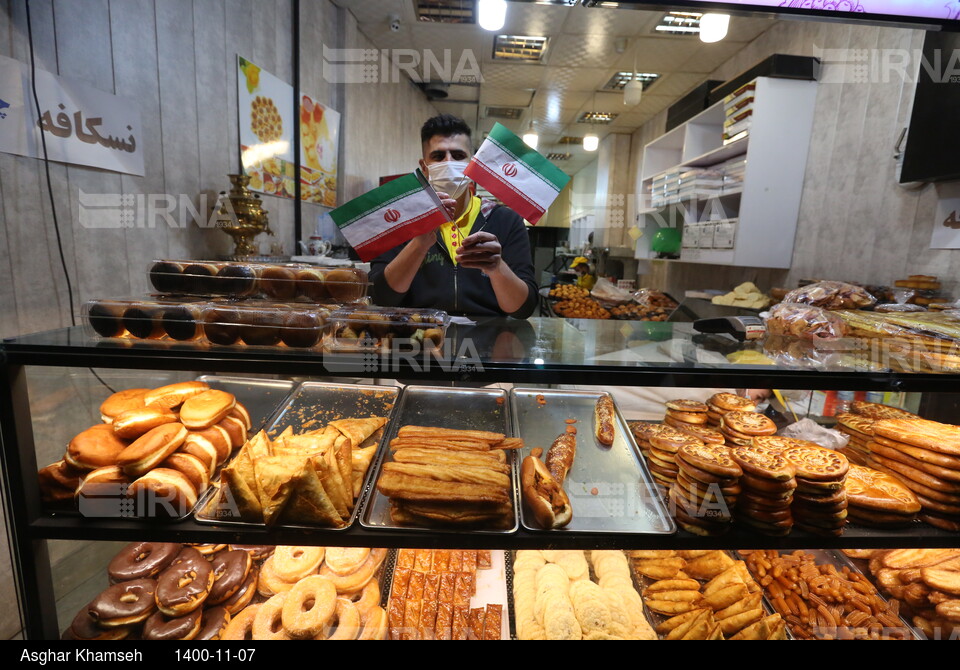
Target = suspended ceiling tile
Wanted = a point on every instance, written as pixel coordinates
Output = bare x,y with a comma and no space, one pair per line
512,75
505,97
532,19
581,51
617,23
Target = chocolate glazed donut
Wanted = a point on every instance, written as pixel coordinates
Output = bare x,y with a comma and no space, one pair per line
184,586
230,570
124,604
139,560
160,627
214,620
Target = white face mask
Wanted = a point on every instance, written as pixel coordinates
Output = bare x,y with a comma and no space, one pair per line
447,177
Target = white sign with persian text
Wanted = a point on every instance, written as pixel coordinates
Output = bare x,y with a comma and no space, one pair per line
80,125
946,227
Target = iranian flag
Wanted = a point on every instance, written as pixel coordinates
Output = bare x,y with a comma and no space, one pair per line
389,215
512,171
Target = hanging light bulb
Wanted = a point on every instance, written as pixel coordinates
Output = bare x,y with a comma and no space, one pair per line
633,92
530,138
590,142
713,27
491,14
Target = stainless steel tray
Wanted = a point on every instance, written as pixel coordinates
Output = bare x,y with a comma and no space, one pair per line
261,397
313,405
449,407
610,488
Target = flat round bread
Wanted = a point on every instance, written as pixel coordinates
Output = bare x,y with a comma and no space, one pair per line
671,444
940,437
873,410
749,423
902,456
712,458
687,406
765,463
934,457
817,463
873,490
702,433
728,402
859,424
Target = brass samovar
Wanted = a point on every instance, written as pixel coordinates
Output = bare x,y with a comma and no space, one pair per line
241,215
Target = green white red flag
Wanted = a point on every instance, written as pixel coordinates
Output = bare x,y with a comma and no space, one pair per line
516,174
389,215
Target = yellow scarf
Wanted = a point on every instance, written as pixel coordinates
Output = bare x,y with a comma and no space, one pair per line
454,232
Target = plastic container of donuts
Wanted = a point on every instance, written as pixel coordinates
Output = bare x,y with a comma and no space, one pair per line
609,487
274,281
483,409
372,328
310,407
213,322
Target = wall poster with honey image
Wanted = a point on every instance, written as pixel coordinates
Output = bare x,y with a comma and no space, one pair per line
319,141
267,124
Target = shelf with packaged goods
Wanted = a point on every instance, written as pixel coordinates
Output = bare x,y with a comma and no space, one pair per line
542,351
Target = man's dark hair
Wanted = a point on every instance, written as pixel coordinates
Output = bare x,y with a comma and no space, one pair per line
445,125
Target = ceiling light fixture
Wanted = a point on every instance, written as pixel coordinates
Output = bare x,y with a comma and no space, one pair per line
633,91
491,14
590,142
713,27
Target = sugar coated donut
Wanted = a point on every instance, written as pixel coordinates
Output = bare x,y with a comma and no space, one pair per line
268,624
308,606
240,626
374,624
346,622
293,563
345,560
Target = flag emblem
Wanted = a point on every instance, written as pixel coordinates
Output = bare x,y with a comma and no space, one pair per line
389,215
515,173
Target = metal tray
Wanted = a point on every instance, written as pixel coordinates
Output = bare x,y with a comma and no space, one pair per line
837,559
610,488
458,408
313,405
261,398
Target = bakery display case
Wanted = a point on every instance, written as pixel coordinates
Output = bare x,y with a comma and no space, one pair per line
524,353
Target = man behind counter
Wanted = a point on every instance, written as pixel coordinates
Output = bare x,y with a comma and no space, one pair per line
478,264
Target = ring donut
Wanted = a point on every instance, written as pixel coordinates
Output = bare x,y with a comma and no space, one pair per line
160,627
230,571
345,560
258,552
369,597
124,604
84,627
293,563
268,624
240,626
139,560
213,623
308,606
357,580
269,584
374,624
244,595
208,549
185,585
346,622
